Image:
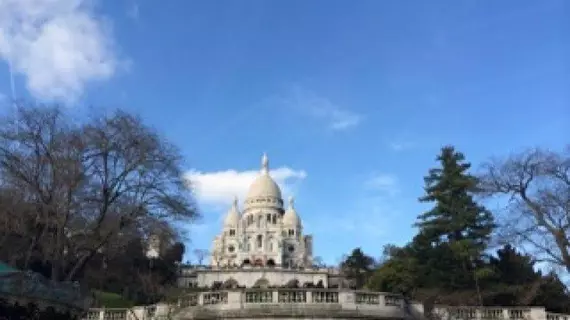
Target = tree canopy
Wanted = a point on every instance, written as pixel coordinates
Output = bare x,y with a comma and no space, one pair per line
449,260
76,195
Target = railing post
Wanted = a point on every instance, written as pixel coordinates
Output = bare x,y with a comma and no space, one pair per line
478,313
102,314
382,299
537,313
275,296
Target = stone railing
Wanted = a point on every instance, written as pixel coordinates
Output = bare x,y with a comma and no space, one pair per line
190,268
557,316
136,313
495,313
247,303
311,303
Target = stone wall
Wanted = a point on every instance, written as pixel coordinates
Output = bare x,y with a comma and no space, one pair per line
249,277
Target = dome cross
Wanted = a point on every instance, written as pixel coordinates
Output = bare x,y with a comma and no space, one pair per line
264,164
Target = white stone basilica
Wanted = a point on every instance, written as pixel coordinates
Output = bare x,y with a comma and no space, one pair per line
263,233
261,244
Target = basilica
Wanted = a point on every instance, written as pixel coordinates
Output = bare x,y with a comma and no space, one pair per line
261,244
263,233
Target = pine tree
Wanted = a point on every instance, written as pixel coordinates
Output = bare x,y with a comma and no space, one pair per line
456,218
457,229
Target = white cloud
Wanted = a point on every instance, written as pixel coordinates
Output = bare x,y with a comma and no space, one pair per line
219,188
133,10
57,45
385,184
401,145
323,109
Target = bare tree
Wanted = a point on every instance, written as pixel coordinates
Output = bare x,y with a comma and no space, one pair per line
318,262
536,186
200,254
87,183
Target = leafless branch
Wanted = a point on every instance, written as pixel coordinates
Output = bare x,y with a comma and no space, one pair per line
535,185
84,185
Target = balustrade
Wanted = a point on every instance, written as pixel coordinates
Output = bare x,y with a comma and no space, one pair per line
292,296
557,316
324,297
215,298
491,314
316,302
259,297
367,298
484,313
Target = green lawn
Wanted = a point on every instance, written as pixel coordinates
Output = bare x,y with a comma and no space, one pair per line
111,300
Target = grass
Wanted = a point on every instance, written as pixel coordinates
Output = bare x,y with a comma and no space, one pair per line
111,300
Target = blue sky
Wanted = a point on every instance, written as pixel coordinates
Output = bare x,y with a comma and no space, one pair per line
351,100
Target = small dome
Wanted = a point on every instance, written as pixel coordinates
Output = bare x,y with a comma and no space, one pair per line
290,218
264,186
232,218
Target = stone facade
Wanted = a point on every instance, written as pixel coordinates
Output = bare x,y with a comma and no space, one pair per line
261,243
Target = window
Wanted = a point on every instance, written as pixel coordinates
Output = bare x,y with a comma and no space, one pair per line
259,241
268,218
291,248
231,249
274,219
232,232
291,232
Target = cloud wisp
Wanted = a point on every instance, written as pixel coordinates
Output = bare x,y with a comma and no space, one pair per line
400,145
382,184
322,109
218,188
58,46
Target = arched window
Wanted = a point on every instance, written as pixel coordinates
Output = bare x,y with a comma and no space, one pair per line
259,241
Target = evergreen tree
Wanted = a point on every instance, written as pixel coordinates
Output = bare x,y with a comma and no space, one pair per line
456,218
358,267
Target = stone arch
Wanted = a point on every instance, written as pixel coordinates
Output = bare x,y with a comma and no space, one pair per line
293,283
261,283
231,283
270,263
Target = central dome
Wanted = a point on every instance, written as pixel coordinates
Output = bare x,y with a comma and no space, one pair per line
264,190
262,187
